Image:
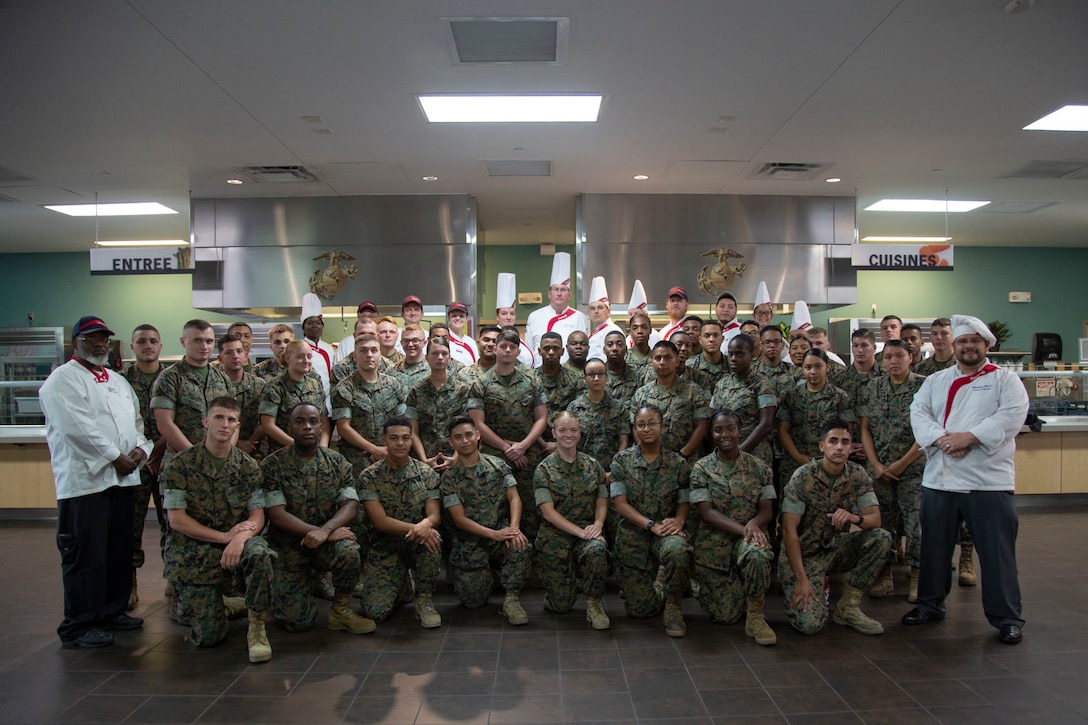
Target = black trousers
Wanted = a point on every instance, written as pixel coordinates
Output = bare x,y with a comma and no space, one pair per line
991,519
94,536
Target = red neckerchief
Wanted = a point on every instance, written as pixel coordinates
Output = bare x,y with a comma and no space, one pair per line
559,318
603,325
468,349
102,375
532,357
325,355
959,383
730,326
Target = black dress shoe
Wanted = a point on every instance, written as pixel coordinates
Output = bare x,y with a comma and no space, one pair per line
917,616
90,639
123,623
1010,634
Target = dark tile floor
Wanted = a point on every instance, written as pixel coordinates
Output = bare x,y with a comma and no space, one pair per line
477,669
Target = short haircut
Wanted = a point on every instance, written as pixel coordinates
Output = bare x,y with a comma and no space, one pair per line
912,326
744,341
145,328
412,327
279,330
713,322
459,420
666,345
867,334
771,328
725,413
679,332
510,336
386,318
641,315
817,353
367,337
306,405
692,318
364,322
551,335
891,317
226,402
835,424
239,324
228,339
395,421
196,324
439,326
899,345
615,332
488,328
816,331
745,323
941,322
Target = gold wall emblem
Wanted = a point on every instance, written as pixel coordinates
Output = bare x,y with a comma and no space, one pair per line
716,278
184,257
325,283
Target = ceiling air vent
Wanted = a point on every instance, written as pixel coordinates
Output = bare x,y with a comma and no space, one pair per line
1049,170
518,168
787,171
278,174
506,40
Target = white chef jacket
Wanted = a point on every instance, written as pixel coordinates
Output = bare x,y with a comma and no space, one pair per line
343,349
89,424
548,320
596,338
527,356
463,349
991,406
729,332
667,331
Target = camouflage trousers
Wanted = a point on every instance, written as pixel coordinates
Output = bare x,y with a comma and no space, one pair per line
636,570
386,573
147,490
861,554
292,600
530,514
471,560
201,605
900,506
586,561
723,592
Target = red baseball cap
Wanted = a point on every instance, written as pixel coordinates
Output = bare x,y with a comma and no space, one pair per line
363,307
457,307
678,292
410,300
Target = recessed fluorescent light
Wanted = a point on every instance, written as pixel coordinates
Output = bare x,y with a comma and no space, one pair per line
234,181
145,243
1066,118
833,180
907,240
140,208
641,177
430,178
511,109
925,205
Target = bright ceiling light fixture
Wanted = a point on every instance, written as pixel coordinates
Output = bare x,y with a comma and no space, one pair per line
144,243
908,240
139,208
942,206
640,177
1066,118
512,109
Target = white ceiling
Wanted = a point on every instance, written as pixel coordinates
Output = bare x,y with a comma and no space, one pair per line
152,99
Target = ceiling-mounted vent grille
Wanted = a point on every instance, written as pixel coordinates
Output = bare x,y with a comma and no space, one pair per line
518,168
278,174
506,40
789,171
1037,169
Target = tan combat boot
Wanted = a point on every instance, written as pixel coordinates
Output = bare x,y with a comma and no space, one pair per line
234,606
674,620
426,613
513,611
848,613
912,595
595,613
884,585
133,597
259,649
967,566
342,618
755,626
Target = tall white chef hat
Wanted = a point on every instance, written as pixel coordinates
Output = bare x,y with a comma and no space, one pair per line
763,297
561,269
967,325
598,292
311,306
638,297
802,320
506,290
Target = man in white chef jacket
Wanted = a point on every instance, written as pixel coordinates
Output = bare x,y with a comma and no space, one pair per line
600,317
96,446
313,325
558,316
966,419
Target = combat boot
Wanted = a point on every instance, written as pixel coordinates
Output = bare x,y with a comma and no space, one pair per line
848,613
513,611
235,607
323,587
259,649
133,596
595,613
967,566
674,620
755,626
425,612
912,595
884,585
343,618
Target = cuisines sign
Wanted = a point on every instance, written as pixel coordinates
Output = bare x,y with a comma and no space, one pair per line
141,260
902,257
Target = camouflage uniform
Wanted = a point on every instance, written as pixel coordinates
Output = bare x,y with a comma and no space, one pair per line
728,569
247,392
481,490
367,406
395,359
217,493
931,365
850,381
747,397
573,489
560,389
602,425
403,494
433,410
682,405
655,489
622,387
411,373
282,395
807,413
812,494
716,372
344,369
269,369
312,491
887,406
782,377
508,402
141,385
637,360
184,390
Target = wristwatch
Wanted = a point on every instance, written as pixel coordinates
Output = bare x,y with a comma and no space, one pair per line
650,525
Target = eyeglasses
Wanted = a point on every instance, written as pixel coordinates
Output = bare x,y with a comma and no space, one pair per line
409,341
95,340
647,424
774,343
596,375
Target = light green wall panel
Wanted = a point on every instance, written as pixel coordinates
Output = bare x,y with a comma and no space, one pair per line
533,271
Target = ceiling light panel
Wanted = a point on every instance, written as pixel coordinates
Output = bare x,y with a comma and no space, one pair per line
951,206
584,108
144,243
142,208
1066,118
907,240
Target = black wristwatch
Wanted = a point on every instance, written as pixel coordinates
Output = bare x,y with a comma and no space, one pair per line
650,525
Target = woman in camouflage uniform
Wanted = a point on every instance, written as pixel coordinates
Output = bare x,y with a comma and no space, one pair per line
751,396
294,387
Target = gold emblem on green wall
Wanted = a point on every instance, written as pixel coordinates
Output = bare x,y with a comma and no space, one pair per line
716,278
325,283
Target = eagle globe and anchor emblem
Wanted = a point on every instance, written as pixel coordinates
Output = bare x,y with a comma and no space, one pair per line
718,277
325,283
